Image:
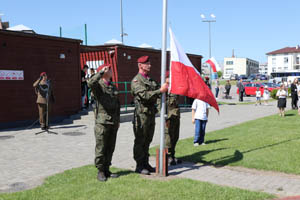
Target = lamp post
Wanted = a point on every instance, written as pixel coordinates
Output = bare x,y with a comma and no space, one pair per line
121,15
213,19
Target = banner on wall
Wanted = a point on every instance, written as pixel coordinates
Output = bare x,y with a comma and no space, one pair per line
11,75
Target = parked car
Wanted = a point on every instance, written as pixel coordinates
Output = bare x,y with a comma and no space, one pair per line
263,77
243,77
250,88
234,77
252,77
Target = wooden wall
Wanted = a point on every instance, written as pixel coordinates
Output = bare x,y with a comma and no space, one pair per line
34,54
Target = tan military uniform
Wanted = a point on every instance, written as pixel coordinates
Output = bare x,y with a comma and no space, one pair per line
41,89
107,120
145,92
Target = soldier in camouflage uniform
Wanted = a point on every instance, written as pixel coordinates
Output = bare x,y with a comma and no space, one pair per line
145,92
107,120
172,124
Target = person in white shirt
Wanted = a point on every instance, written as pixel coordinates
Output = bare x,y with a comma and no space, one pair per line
258,96
266,95
199,118
281,104
298,92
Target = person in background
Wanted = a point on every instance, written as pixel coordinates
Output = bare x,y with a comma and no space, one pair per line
84,86
266,95
294,94
45,96
241,88
199,118
258,96
281,95
217,88
207,82
227,89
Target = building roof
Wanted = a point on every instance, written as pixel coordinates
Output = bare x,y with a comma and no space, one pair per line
285,50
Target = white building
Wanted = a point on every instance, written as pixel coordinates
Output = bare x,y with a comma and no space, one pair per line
263,68
285,59
240,66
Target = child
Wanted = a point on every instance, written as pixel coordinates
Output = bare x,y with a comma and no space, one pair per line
266,95
281,104
258,96
199,118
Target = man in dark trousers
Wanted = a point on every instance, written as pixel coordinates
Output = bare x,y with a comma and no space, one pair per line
294,94
241,88
145,92
84,88
107,119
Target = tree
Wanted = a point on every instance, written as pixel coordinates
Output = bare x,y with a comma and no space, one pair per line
220,73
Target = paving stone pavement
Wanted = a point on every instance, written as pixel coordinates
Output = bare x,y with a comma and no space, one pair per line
26,159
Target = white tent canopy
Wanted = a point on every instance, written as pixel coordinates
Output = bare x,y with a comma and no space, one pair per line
21,27
144,45
113,41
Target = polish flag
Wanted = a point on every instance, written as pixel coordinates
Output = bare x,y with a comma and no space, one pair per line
185,80
213,64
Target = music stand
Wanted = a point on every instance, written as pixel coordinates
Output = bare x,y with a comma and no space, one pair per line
47,112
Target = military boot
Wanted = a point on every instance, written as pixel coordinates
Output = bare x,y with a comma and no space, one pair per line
109,174
101,176
141,170
148,166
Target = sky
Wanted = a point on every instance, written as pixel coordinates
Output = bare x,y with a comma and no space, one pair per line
250,27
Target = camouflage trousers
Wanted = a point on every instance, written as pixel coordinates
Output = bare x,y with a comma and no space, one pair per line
172,134
143,128
105,135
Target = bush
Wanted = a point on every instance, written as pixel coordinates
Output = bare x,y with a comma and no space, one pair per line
273,94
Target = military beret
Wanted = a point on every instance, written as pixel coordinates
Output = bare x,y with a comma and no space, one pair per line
43,74
102,66
167,74
143,59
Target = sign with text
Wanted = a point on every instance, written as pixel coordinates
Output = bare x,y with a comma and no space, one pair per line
11,75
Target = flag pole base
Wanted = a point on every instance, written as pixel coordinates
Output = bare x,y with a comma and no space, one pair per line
165,162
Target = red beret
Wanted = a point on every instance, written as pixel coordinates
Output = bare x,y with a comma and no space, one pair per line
102,66
143,59
206,77
167,74
43,74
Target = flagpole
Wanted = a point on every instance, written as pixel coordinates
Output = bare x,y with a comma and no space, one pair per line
163,78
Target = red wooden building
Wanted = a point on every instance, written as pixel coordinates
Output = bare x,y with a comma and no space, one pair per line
32,54
124,62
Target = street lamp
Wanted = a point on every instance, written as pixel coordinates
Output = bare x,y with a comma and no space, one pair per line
213,19
121,13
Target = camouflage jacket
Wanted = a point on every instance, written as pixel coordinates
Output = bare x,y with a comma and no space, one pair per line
145,92
107,101
173,109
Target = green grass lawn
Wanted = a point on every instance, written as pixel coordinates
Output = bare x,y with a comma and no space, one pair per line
270,143
81,184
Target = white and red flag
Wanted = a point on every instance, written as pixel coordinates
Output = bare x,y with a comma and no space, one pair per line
213,64
185,80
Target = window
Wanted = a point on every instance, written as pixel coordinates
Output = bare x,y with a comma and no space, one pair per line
273,61
297,60
229,62
285,60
